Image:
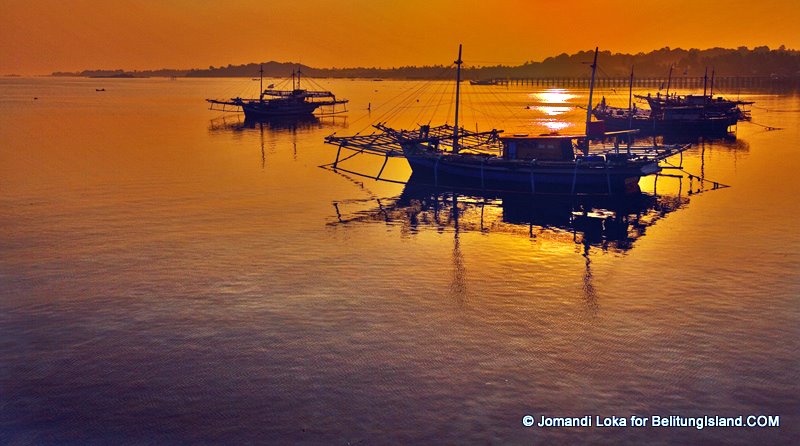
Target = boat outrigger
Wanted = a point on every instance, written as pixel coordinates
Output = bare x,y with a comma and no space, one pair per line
271,103
489,160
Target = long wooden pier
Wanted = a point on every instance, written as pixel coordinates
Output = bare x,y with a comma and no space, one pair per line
682,82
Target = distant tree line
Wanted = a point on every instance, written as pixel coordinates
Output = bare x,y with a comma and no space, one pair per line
742,61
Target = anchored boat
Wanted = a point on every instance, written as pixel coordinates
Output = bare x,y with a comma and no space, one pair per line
538,163
672,113
483,82
272,103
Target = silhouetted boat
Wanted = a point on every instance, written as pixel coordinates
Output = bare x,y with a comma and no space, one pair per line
542,163
99,89
672,113
483,82
296,102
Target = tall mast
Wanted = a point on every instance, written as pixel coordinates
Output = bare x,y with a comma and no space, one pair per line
712,82
261,80
293,88
589,108
705,81
298,77
458,94
630,101
669,79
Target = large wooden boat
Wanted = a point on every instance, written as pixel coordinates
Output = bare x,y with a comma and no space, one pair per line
672,113
271,103
533,163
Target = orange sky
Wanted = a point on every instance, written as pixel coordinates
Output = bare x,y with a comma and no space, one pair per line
41,36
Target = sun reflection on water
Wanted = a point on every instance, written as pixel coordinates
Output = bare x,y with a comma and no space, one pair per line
555,126
552,102
552,96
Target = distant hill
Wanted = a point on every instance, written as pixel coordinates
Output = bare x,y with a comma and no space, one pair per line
742,61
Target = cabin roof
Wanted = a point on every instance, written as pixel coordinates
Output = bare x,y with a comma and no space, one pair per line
542,136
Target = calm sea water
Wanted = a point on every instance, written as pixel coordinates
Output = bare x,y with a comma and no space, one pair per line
170,275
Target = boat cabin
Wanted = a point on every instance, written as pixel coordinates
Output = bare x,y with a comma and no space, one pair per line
542,147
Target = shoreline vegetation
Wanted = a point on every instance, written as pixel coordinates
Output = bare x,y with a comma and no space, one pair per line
742,61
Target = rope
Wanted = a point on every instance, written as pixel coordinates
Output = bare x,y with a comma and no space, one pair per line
717,184
441,92
409,95
774,111
766,127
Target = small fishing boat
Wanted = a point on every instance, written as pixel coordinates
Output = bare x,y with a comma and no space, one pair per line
272,103
533,163
483,82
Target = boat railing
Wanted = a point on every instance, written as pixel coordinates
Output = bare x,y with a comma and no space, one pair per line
299,93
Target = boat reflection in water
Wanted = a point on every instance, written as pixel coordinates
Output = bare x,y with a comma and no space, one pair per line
728,140
236,123
592,224
270,130
607,222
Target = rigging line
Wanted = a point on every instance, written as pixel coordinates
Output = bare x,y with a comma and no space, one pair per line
605,75
442,104
507,112
484,106
366,114
463,107
234,85
412,95
766,127
492,100
241,87
503,104
389,105
477,110
772,110
432,102
499,104
440,92
406,104
316,84
313,83
703,179
369,112
516,112
450,106
475,103
279,84
422,107
470,105
408,95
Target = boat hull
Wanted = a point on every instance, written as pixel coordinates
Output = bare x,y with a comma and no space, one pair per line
267,111
658,126
530,177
